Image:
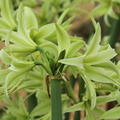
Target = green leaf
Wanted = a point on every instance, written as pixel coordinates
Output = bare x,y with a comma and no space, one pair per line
76,107
12,76
21,26
113,113
60,20
43,106
106,19
89,114
16,108
100,10
3,33
98,74
62,38
93,46
30,19
26,85
3,74
100,57
41,109
5,57
45,31
109,66
98,112
90,90
9,78
78,61
17,49
18,65
74,48
94,23
20,21
32,80
107,98
4,24
112,14
67,24
7,13
49,47
20,42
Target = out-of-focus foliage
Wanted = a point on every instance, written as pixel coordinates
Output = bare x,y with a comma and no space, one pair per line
108,8
50,10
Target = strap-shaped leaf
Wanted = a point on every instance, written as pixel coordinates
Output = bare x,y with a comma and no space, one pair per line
76,107
108,66
74,48
20,40
18,49
108,98
5,57
90,90
112,14
9,79
100,75
77,61
113,113
41,109
26,85
89,114
93,46
16,83
62,38
6,11
16,108
45,31
49,47
100,10
100,57
60,20
3,33
3,74
106,19
67,24
43,106
30,19
21,26
32,80
13,75
4,24
17,65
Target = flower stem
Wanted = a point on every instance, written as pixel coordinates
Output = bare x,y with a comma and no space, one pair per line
56,103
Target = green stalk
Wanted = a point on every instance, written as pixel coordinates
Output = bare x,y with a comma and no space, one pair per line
56,103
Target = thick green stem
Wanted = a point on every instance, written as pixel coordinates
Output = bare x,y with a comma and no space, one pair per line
56,103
